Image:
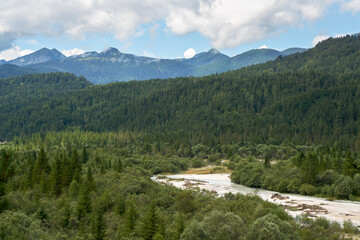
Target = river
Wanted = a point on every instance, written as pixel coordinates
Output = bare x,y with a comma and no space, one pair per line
337,210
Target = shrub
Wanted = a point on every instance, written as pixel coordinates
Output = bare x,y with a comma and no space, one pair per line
308,189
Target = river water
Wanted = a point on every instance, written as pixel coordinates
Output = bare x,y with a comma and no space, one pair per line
294,204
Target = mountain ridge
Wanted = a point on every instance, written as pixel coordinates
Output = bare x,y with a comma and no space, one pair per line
111,65
40,56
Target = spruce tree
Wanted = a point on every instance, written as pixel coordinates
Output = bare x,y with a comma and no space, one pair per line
41,167
57,177
98,225
150,223
130,219
90,180
84,155
180,226
84,202
119,165
75,165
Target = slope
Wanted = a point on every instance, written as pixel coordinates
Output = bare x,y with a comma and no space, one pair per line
254,104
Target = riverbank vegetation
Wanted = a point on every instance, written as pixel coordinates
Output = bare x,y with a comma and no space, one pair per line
326,172
79,186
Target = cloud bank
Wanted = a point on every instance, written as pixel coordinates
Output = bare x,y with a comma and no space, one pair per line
75,51
318,39
227,23
14,52
352,6
189,53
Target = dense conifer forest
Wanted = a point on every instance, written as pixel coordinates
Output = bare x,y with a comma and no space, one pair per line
76,158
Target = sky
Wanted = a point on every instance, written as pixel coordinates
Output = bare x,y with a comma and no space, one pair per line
171,28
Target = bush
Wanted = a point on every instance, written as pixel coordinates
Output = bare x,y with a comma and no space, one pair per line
343,188
308,189
349,227
197,163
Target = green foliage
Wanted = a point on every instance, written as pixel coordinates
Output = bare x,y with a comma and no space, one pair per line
311,97
321,171
150,223
97,207
195,231
130,219
224,226
83,206
98,225
41,167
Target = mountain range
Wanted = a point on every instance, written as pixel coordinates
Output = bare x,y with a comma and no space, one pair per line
111,65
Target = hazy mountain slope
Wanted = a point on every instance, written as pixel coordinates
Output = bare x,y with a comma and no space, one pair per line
248,58
9,70
40,56
111,65
290,51
205,58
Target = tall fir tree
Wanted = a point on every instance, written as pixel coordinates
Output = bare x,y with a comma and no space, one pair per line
75,165
150,223
83,206
84,156
130,218
98,225
180,225
57,176
41,167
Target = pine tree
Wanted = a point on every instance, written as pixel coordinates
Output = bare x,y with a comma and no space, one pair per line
84,202
98,225
75,165
90,181
267,160
150,223
120,205
119,165
180,226
84,155
130,219
5,169
57,177
41,167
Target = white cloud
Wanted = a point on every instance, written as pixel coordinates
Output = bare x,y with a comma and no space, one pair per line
227,23
352,6
318,39
189,53
148,54
14,52
263,47
75,51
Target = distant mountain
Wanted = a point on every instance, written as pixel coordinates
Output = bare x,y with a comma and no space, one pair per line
40,56
206,58
248,58
290,51
9,70
111,65
2,62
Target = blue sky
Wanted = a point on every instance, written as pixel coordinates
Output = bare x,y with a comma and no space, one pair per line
167,28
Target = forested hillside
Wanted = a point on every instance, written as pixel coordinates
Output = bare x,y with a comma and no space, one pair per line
335,55
9,70
314,105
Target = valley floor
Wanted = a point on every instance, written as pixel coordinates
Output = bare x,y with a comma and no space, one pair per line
337,210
